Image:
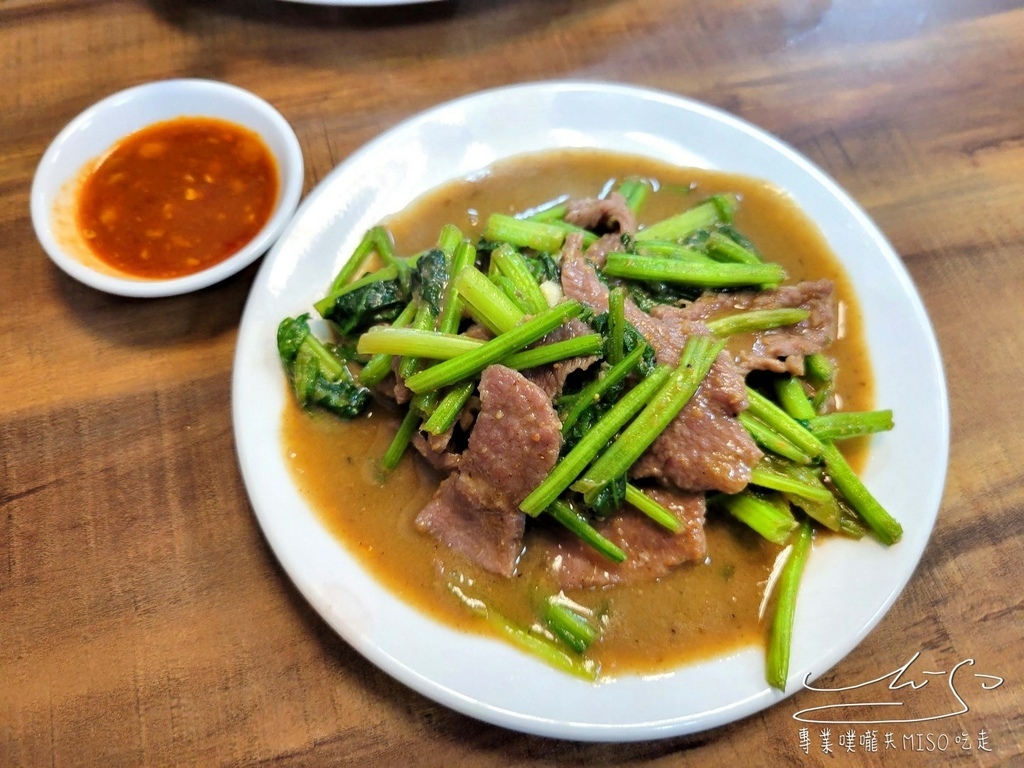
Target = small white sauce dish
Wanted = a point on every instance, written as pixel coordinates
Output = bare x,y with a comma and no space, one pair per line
89,136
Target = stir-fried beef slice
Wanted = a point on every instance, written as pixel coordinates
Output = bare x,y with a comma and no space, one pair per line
392,387
579,279
396,384
651,551
439,450
580,282
513,446
610,214
597,252
517,436
705,447
435,449
386,389
551,378
782,349
477,331
490,538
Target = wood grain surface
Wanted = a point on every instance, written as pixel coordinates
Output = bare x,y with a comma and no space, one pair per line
143,619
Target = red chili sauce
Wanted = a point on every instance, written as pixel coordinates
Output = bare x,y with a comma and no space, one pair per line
177,197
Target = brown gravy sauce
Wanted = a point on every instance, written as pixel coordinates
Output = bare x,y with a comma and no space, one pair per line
695,612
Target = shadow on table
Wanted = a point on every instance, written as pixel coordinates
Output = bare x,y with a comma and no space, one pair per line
423,29
157,324
302,14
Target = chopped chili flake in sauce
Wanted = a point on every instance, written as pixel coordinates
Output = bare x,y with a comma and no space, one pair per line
178,197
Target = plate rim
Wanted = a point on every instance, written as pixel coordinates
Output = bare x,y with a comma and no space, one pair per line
669,726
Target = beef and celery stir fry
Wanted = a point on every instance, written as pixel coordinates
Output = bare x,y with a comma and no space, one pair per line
620,381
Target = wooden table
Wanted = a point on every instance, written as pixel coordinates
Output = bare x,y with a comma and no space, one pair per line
143,619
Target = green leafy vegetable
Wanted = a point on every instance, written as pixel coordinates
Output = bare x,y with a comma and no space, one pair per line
431,278
363,304
610,497
317,376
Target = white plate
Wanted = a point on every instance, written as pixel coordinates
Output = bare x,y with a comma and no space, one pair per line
488,679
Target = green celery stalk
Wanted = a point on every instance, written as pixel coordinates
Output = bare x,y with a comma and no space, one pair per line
774,523
780,639
697,357
448,320
838,426
793,399
379,366
548,212
512,264
540,647
371,242
885,527
570,466
569,626
669,250
447,411
523,233
400,442
449,240
595,389
770,440
777,481
486,302
635,192
723,248
579,525
699,274
414,342
756,321
652,509
423,321
472,362
681,225
580,346
785,425
819,368
616,324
